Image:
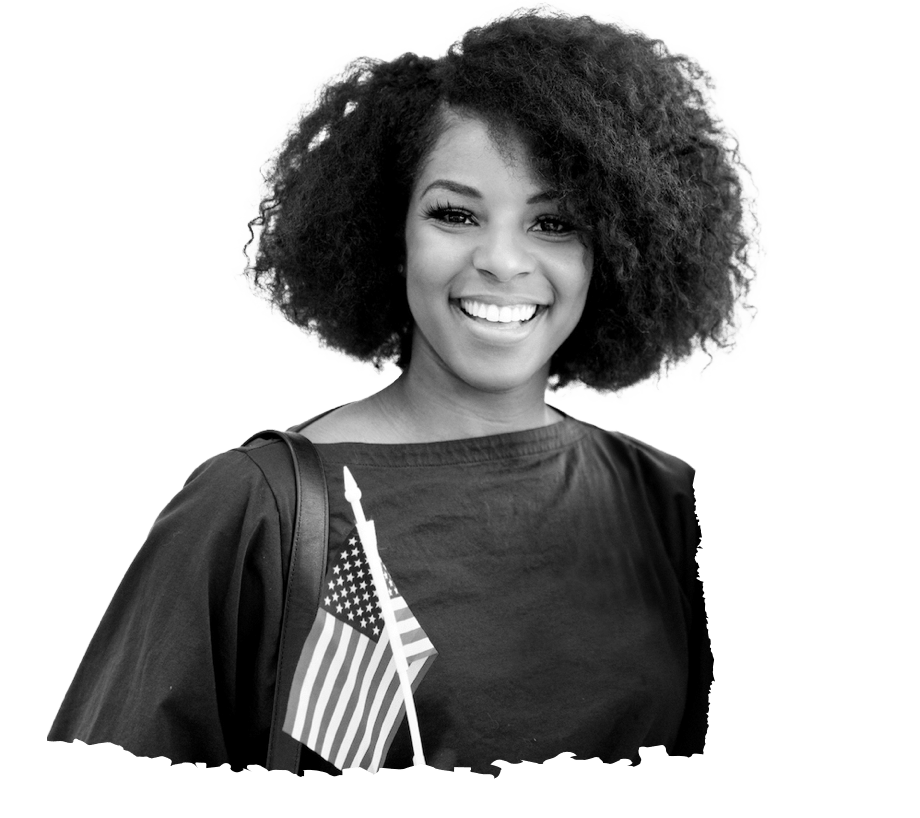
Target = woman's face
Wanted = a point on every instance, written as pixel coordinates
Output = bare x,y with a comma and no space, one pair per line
496,278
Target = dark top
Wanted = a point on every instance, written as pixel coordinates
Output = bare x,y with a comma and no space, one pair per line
553,569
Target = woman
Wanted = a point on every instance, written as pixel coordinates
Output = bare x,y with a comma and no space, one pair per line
549,203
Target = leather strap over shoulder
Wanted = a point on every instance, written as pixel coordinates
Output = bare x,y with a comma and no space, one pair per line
305,578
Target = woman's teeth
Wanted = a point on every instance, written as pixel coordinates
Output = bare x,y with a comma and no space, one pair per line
496,314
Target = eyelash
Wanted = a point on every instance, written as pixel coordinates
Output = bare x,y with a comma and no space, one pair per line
443,212
446,213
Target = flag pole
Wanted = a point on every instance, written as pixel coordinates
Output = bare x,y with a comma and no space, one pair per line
368,535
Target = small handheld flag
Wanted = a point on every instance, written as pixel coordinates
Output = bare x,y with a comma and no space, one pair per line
369,538
350,689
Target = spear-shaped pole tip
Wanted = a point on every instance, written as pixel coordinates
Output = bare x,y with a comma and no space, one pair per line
352,492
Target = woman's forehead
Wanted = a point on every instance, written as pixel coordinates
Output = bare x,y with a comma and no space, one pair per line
469,148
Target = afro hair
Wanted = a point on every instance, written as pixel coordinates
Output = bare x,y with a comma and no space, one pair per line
616,125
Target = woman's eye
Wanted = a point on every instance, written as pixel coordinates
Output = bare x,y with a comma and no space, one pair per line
457,217
553,224
450,215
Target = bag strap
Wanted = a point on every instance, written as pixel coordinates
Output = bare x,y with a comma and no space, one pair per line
305,579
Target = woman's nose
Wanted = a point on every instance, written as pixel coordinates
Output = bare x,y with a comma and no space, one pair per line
502,253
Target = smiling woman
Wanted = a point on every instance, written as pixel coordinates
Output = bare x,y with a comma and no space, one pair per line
549,203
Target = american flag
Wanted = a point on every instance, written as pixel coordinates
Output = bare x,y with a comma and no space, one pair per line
346,702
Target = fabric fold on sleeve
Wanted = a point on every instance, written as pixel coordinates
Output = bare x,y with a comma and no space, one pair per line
182,664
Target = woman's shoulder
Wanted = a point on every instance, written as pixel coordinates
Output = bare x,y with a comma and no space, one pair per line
252,480
244,467
235,507
660,483
647,461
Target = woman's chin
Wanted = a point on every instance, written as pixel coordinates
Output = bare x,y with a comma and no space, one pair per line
472,368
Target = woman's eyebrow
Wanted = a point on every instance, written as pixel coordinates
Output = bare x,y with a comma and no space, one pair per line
454,187
466,190
543,196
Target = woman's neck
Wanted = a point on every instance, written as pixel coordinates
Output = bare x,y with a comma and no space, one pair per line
417,409
430,403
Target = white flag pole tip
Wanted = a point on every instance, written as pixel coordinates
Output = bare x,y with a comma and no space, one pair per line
352,492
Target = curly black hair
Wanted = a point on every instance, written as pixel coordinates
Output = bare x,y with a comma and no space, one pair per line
615,124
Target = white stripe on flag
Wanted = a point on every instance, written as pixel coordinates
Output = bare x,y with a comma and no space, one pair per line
355,663
303,663
395,710
327,682
335,684
390,694
379,701
358,721
309,682
354,701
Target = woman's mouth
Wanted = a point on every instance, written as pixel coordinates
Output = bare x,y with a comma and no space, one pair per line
507,314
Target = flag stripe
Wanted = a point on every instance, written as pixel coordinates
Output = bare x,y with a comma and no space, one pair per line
335,683
358,706
319,693
423,666
384,673
411,635
385,694
308,702
396,707
354,662
416,643
300,673
350,696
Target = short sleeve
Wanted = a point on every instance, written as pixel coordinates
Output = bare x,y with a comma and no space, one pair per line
182,664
